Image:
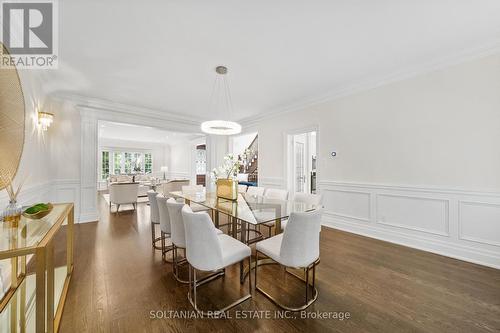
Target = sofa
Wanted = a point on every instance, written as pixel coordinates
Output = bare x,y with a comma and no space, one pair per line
143,180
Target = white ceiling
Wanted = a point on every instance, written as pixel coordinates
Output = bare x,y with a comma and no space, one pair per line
137,133
162,54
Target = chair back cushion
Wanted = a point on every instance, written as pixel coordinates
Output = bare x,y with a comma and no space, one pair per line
310,199
300,245
242,188
177,233
192,189
163,213
123,193
256,191
155,213
173,186
273,193
203,250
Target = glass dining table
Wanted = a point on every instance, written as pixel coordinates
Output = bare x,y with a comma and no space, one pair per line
247,209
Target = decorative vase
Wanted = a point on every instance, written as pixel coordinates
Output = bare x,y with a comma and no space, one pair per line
227,189
12,213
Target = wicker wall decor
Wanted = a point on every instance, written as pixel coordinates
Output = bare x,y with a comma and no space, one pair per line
12,121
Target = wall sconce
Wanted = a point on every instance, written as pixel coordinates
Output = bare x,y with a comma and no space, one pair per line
45,119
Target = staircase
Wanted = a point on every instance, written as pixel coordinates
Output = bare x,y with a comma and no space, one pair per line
252,165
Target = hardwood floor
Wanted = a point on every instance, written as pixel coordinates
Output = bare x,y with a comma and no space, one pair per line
118,280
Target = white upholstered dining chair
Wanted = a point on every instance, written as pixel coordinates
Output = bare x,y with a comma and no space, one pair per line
296,247
208,251
178,235
307,198
256,191
192,190
155,217
173,186
242,188
165,225
274,194
123,193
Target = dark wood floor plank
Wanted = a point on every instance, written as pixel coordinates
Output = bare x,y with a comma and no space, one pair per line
119,279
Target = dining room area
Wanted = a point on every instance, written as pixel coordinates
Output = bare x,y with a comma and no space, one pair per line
231,166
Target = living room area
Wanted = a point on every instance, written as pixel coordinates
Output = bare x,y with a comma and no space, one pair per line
134,159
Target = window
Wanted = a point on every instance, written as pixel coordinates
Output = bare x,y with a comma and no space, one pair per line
148,163
117,162
105,165
137,163
201,161
126,162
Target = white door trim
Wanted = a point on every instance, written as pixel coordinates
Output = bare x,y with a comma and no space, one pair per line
288,153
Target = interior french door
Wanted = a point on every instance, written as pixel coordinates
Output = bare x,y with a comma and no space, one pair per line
300,177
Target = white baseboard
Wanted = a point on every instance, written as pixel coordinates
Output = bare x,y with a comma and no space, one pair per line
87,218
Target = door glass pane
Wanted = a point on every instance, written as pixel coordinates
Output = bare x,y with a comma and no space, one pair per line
128,162
105,165
299,167
137,162
148,163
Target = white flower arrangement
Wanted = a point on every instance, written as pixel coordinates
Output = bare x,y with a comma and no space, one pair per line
231,166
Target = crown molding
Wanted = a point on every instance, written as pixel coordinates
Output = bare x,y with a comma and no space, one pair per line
87,102
377,81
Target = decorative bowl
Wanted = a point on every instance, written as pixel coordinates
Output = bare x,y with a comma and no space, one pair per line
38,215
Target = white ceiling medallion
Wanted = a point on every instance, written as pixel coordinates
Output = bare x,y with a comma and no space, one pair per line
221,99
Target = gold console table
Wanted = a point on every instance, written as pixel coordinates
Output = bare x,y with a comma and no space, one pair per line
39,280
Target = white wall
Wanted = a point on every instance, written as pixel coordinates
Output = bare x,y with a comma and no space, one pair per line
180,160
418,161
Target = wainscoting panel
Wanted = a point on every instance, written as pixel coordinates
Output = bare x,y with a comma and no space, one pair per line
479,222
348,204
67,190
455,223
414,213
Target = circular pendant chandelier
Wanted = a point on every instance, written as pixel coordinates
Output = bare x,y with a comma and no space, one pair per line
221,99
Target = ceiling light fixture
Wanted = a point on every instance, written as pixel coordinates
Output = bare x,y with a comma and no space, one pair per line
221,98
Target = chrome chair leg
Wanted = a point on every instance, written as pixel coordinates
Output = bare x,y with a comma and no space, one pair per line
308,301
163,250
194,283
176,264
154,239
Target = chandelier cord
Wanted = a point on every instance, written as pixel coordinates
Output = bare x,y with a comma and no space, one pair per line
229,99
